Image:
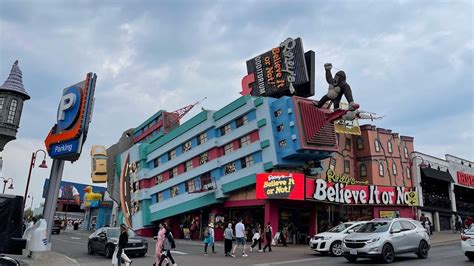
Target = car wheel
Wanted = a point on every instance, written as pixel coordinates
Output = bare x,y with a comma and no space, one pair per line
423,248
109,251
388,254
336,249
470,257
89,249
351,258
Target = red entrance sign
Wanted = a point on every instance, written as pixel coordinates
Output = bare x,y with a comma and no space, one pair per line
465,179
280,186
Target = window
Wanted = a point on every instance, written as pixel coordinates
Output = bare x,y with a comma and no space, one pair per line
190,185
225,130
405,151
159,197
277,113
203,158
12,111
158,179
174,191
202,138
245,140
2,101
206,181
173,172
188,166
186,146
347,167
363,170
241,121
229,168
156,162
348,144
394,169
282,143
246,161
280,128
408,172
171,154
381,171
377,145
407,226
396,225
228,148
360,143
389,146
136,186
337,139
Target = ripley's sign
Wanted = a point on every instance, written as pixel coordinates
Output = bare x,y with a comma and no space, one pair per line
284,70
321,190
280,186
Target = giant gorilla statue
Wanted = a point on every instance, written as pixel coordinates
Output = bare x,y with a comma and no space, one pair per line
337,87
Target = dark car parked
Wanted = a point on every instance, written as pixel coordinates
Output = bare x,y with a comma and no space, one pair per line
105,239
57,226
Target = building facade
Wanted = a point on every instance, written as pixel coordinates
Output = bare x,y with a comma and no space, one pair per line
445,188
206,169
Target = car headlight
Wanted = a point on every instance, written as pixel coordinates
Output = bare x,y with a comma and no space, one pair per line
327,238
373,240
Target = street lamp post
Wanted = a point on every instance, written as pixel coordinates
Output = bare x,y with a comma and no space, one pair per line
5,181
32,164
412,175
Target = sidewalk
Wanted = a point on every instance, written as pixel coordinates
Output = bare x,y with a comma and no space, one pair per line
49,259
444,237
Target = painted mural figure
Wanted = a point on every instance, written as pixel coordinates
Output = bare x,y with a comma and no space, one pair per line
337,87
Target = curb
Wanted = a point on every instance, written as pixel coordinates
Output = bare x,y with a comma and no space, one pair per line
444,243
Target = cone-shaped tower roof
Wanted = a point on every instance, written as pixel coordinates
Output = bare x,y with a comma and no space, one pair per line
14,82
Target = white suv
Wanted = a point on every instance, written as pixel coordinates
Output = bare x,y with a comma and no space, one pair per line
467,243
384,238
331,240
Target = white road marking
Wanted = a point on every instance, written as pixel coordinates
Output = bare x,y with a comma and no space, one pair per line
287,262
178,252
75,242
73,237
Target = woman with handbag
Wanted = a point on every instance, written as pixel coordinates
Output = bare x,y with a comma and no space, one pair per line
119,253
168,244
160,238
209,238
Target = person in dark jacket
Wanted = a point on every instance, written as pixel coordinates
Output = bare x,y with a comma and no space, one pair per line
268,237
337,87
122,243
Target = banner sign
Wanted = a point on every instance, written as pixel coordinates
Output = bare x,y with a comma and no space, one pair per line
465,179
280,186
284,70
322,190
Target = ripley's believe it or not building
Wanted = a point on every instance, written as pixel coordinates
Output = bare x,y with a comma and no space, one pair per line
270,156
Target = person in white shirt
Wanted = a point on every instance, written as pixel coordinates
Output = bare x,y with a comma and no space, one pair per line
240,237
256,239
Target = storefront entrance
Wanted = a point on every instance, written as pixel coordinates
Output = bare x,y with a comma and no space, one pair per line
330,215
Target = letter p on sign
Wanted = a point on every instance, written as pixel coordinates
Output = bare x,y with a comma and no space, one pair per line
67,103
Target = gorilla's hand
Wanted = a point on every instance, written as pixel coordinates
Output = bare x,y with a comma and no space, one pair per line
328,66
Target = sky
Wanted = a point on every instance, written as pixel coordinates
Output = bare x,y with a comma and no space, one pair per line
411,61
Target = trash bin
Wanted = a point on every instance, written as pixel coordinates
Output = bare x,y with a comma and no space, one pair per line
76,226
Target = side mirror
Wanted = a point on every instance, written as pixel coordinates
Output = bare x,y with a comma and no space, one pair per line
396,230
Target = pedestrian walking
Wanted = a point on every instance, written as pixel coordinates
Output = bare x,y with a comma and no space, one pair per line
209,238
240,237
119,253
256,238
160,238
168,244
228,236
268,237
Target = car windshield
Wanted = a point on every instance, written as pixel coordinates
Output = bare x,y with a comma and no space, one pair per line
374,227
116,232
339,228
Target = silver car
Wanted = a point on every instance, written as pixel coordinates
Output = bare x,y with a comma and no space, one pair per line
384,238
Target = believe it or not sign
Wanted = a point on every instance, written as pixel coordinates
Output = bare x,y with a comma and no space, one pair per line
67,136
280,186
321,190
284,70
465,179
